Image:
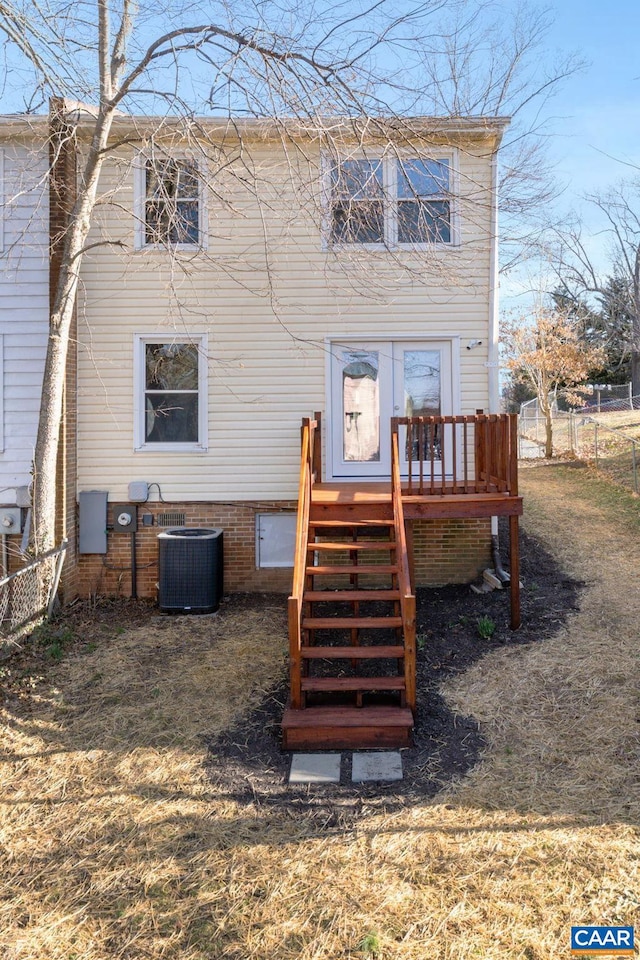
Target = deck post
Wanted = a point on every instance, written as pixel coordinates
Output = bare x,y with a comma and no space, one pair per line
295,659
479,446
316,463
513,454
410,650
514,571
408,526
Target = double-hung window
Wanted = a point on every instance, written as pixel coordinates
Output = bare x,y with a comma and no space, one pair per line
423,201
171,399
169,203
358,202
393,201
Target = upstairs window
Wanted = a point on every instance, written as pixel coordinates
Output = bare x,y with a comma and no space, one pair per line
423,201
391,201
170,394
169,203
358,202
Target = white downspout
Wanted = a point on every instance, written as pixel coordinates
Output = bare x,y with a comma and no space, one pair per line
492,352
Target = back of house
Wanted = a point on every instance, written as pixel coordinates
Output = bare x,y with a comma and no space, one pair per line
240,276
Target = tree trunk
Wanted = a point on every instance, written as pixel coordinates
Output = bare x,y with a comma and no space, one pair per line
45,459
44,497
635,327
546,408
548,424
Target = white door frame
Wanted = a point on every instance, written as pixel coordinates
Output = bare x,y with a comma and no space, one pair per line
337,469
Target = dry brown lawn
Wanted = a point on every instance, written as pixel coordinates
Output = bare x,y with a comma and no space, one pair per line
115,845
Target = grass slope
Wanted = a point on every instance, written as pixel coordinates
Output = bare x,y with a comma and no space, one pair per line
115,844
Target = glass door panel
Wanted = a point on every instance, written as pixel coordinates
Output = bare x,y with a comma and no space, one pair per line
360,403
422,388
361,406
421,378
374,381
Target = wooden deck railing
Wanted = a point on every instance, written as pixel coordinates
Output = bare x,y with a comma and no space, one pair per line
407,598
459,454
309,463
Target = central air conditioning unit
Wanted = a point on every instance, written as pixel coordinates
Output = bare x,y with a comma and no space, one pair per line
190,567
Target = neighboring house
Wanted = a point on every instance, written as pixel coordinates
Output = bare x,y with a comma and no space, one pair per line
24,293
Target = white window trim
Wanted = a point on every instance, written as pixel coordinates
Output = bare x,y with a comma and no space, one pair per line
139,197
139,384
451,155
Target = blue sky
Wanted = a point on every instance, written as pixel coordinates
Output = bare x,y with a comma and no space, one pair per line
596,123
600,108
597,112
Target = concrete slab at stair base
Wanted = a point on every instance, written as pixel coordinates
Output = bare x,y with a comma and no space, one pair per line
346,728
315,768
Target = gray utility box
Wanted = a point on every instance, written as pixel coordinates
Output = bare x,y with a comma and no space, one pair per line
190,568
92,521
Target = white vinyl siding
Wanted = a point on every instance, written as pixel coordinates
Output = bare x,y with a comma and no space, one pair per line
268,317
24,324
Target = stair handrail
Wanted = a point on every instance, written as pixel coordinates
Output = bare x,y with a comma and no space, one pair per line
294,605
407,597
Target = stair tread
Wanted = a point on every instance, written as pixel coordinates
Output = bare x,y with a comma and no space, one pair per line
348,717
379,651
352,545
329,623
351,523
353,683
342,596
353,568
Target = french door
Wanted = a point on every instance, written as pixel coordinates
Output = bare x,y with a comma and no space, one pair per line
374,380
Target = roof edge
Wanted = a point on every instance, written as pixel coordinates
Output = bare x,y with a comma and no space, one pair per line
346,128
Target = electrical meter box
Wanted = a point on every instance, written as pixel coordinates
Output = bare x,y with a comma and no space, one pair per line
10,520
125,517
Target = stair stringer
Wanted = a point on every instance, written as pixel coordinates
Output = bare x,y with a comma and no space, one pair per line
356,723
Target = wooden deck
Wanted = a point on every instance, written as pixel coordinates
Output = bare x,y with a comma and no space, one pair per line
372,501
353,530
370,495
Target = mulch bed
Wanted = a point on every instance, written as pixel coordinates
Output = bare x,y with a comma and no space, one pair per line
246,762
248,765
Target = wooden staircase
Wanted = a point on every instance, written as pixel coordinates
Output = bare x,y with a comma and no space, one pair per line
351,625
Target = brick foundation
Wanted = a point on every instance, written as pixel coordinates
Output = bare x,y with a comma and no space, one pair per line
450,551
446,551
111,574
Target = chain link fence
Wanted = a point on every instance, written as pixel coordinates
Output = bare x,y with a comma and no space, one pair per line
28,595
604,433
